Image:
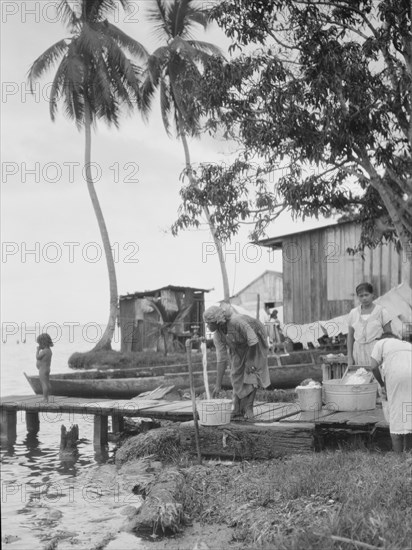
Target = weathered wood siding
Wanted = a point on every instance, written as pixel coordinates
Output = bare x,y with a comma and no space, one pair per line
319,276
140,327
269,287
127,324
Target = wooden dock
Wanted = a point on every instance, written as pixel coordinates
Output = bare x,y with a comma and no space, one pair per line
269,418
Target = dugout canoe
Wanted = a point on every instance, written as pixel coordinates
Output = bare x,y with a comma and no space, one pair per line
127,383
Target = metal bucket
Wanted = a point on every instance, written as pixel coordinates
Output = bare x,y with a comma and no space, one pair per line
214,412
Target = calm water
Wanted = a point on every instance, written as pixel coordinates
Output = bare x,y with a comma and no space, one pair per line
80,501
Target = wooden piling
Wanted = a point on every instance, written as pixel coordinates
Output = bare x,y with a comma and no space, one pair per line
100,436
117,423
32,422
69,438
9,425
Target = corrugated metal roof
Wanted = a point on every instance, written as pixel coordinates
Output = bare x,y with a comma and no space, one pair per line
276,242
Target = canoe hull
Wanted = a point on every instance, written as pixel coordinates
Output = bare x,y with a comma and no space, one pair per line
116,388
100,384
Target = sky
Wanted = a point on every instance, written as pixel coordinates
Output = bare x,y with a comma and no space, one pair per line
53,267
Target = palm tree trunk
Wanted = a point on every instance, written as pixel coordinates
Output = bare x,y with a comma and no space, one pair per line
106,339
218,244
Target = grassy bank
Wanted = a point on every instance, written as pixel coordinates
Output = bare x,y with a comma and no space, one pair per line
346,499
318,501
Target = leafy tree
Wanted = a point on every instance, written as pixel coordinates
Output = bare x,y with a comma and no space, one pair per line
94,80
173,69
324,100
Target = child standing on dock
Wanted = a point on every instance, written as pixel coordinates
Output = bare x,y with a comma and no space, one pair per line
43,362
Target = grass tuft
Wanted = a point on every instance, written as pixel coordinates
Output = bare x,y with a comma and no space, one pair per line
306,500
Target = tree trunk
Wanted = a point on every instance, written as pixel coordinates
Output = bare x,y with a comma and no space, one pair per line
218,244
396,218
106,339
395,213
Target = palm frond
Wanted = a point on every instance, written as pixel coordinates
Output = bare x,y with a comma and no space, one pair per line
177,16
57,87
199,16
45,61
183,313
124,76
98,10
158,14
73,104
89,41
205,47
156,63
160,309
147,93
66,11
126,42
183,48
75,71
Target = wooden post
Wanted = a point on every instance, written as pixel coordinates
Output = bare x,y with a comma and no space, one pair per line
9,425
32,422
258,307
193,396
117,423
100,437
68,439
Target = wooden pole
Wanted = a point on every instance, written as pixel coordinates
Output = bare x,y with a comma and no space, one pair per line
258,307
9,425
203,348
69,439
192,393
32,422
100,437
117,423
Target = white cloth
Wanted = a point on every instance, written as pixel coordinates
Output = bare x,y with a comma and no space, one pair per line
396,359
366,331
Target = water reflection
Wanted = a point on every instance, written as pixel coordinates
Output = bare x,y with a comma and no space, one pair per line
31,441
101,453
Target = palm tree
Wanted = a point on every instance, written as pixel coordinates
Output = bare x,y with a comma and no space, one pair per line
94,80
170,69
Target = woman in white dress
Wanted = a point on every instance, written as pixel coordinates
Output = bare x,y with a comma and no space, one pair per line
366,324
391,362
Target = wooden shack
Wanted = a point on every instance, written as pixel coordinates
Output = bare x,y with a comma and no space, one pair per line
144,316
267,289
320,276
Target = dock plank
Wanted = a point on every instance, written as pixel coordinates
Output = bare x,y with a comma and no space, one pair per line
367,417
308,416
174,406
340,417
274,412
23,399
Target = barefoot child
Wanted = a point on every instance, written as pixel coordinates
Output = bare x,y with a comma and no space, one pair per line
43,361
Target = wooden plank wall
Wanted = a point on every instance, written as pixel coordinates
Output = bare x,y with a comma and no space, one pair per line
126,318
320,277
288,301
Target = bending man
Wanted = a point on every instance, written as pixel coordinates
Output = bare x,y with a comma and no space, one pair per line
246,340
